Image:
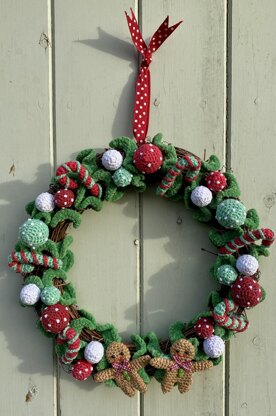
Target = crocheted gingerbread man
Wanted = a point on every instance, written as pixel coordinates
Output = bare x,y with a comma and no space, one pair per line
181,367
124,371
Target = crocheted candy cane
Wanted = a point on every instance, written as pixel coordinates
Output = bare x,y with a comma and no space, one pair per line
70,336
76,167
189,164
221,316
23,261
265,234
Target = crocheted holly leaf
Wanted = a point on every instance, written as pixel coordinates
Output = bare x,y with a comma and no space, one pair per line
231,191
252,220
80,323
66,214
50,274
212,164
220,261
69,295
168,151
176,331
87,158
109,333
128,146
219,239
68,260
138,182
214,299
203,214
153,345
257,251
223,333
36,280
83,313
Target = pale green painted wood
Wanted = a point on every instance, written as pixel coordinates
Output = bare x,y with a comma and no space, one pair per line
94,91
252,360
26,357
188,86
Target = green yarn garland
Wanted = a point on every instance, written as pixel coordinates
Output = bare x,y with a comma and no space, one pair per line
43,257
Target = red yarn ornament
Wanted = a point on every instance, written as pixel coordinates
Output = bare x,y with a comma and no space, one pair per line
64,198
204,327
148,158
55,318
246,292
81,370
216,181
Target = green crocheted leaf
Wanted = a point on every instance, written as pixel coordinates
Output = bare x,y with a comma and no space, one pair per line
263,294
60,349
175,188
66,214
216,361
36,280
69,295
128,146
112,193
50,274
68,261
168,150
103,176
257,251
141,347
44,216
176,331
214,299
30,207
231,191
211,164
138,182
221,260
144,375
80,194
63,245
153,346
52,248
252,219
88,316
202,214
195,343
80,323
91,202
200,355
109,333
87,157
219,239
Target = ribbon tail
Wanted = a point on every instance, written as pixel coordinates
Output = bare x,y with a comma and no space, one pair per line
135,33
162,33
141,111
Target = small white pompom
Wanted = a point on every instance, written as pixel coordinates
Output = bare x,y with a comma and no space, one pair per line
247,264
201,196
30,294
112,159
94,352
214,346
45,202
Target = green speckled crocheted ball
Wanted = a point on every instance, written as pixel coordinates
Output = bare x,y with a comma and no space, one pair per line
50,295
33,233
231,213
122,177
226,274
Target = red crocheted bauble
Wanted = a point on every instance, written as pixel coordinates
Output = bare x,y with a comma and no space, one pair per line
216,181
148,158
64,198
246,292
204,327
81,370
55,318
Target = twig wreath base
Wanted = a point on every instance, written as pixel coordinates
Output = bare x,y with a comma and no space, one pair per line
42,255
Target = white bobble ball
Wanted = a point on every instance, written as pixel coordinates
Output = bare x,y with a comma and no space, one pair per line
112,159
247,264
201,196
214,346
30,294
94,352
45,202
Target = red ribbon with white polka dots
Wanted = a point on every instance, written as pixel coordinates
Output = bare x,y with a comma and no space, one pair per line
142,90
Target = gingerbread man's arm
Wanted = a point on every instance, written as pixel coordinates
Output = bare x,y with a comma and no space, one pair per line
140,362
161,363
105,375
201,365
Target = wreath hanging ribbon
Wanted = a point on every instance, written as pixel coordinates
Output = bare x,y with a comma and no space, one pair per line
42,255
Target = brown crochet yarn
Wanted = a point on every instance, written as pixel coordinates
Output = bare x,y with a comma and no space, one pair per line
180,368
124,371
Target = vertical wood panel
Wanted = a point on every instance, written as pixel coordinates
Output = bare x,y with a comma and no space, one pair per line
95,64
26,356
253,367
188,84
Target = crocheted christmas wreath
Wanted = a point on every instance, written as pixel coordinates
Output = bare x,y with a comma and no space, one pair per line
42,256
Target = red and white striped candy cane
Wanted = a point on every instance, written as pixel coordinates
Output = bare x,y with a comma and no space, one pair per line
71,337
265,234
222,317
76,167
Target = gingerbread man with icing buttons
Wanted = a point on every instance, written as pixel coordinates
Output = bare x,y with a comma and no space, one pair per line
180,368
124,370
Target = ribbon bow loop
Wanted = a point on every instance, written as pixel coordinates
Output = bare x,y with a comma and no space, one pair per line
142,93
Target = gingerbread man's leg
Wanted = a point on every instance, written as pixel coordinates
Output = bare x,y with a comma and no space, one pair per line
185,382
138,382
169,381
125,385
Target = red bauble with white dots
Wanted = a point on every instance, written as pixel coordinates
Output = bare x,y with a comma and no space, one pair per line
64,198
216,181
55,318
148,158
204,327
246,292
81,370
